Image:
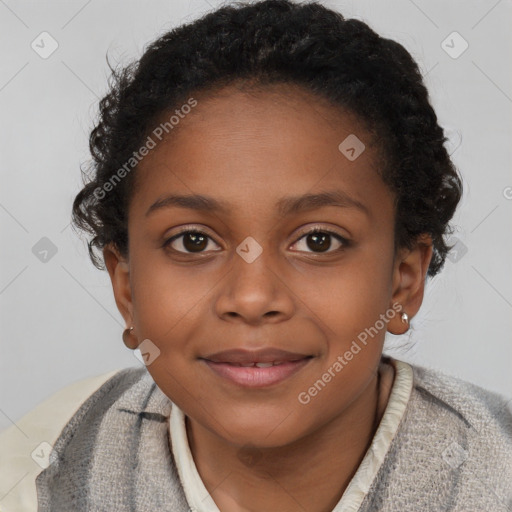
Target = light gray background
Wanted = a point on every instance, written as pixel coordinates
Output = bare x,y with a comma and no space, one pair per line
59,321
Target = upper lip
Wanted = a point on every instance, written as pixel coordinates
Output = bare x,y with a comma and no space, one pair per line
266,355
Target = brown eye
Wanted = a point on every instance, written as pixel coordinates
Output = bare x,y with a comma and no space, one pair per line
189,241
320,241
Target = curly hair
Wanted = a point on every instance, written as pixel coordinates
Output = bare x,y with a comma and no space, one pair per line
340,60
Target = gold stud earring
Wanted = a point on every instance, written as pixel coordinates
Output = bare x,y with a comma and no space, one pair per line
129,339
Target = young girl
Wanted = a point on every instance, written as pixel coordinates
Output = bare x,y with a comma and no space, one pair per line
269,193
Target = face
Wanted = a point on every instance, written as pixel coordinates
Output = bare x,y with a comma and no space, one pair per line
287,258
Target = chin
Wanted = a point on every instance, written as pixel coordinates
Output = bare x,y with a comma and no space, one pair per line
263,431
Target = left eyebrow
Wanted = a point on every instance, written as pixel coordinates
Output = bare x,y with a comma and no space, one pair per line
285,206
290,205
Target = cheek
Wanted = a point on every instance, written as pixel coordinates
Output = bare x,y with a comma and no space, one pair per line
352,307
349,297
168,299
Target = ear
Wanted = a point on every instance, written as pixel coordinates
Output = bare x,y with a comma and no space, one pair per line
409,272
119,272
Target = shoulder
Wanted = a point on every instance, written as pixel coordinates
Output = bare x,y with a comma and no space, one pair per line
457,439
479,409
26,445
452,450
115,450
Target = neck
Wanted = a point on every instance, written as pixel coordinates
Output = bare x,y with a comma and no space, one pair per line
275,478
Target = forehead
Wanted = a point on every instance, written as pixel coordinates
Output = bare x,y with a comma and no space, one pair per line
260,108
246,144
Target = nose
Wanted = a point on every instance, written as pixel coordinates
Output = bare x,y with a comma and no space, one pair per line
254,293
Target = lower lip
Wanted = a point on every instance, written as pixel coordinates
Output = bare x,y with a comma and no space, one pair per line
254,377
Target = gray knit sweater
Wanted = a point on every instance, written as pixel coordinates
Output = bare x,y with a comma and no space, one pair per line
452,452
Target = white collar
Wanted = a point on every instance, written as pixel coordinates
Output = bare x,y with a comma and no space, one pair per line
200,500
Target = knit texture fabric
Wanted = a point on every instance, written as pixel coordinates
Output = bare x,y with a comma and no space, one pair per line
452,452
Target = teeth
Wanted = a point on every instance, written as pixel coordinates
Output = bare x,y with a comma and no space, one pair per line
258,365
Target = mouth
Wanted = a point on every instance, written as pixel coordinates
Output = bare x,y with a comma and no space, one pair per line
256,369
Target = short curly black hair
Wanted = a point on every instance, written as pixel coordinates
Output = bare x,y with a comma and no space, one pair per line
340,60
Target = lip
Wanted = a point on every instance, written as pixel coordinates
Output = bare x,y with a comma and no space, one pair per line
265,355
227,365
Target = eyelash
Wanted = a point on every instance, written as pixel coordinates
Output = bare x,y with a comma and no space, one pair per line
316,229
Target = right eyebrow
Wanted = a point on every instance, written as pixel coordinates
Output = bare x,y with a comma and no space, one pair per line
192,202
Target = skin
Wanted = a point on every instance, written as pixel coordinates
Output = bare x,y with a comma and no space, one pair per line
261,449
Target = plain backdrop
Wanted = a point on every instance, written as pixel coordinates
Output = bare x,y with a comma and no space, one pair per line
59,321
